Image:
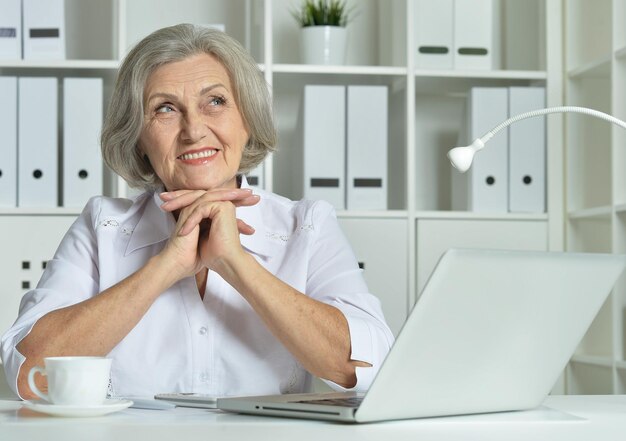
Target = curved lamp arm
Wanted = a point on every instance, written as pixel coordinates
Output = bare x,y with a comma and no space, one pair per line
462,157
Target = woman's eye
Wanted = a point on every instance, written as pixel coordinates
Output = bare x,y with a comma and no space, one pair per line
165,108
217,101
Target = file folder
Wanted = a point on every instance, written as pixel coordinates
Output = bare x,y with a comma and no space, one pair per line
82,123
434,32
44,29
476,34
10,30
527,152
8,142
255,177
37,142
367,148
484,187
324,126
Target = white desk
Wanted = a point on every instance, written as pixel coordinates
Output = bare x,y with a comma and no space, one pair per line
588,418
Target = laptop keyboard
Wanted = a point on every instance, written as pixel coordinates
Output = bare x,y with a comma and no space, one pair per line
345,402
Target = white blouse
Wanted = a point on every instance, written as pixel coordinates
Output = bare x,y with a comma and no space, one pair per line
216,346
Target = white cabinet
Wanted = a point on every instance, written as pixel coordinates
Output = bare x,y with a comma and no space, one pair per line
28,242
380,246
425,111
595,57
435,236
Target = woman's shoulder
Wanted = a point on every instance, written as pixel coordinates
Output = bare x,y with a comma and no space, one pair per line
116,209
305,211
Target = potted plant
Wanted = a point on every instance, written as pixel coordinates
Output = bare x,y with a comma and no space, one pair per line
323,31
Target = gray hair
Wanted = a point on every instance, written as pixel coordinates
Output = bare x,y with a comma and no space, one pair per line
124,119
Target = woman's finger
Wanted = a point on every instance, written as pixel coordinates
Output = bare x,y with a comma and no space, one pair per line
195,214
185,198
244,228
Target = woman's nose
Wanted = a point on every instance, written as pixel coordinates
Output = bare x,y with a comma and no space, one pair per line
194,127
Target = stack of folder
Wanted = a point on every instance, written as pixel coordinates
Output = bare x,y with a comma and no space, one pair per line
29,155
509,174
345,145
32,29
457,34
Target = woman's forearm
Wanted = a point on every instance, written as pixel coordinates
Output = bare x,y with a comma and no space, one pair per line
317,334
94,326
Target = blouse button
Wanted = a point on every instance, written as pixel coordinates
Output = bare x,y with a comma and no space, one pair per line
203,330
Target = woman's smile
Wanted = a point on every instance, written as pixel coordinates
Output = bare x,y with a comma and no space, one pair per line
198,156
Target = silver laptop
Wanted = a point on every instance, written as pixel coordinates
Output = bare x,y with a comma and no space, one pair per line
492,331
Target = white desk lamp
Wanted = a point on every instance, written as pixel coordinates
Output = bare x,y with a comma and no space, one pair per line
462,157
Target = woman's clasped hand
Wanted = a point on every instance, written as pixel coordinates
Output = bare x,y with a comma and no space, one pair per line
207,230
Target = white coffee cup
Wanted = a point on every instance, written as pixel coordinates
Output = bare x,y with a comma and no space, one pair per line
73,381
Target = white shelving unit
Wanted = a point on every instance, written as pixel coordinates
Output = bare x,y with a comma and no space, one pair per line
399,246
595,46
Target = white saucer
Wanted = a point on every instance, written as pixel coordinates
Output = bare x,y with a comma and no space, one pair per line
108,406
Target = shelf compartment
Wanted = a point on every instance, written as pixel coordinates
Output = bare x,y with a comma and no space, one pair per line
584,19
242,19
599,213
288,161
600,67
589,144
591,360
376,33
589,379
597,344
590,235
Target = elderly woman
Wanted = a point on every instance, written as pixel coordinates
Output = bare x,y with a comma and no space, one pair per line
199,284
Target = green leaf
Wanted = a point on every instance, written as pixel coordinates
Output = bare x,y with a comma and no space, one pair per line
322,13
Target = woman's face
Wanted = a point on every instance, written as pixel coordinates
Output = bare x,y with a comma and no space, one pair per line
193,132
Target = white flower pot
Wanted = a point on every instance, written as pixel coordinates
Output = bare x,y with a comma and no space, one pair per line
323,45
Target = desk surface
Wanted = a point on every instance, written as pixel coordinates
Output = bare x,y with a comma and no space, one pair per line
570,418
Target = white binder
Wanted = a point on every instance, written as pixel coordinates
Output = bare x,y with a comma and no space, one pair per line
82,123
476,34
484,187
8,142
434,34
324,126
10,30
527,152
37,142
44,29
367,148
256,177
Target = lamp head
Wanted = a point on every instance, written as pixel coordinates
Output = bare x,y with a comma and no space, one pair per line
461,157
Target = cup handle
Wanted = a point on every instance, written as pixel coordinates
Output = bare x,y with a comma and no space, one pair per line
33,386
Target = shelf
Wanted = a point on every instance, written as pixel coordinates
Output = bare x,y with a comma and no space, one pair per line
369,214
339,70
620,209
531,75
58,211
480,216
61,64
620,364
620,53
593,360
595,213
600,67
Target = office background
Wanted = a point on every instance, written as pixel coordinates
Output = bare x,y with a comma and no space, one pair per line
572,50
